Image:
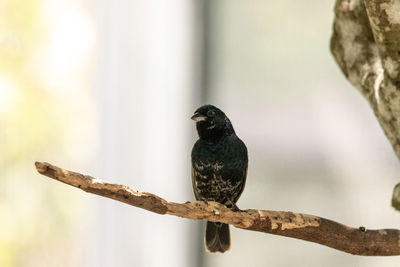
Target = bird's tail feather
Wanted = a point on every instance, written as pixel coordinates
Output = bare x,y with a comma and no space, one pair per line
217,237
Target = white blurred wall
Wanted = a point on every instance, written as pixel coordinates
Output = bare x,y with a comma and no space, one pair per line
143,81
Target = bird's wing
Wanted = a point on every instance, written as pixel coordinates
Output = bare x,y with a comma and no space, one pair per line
244,184
196,193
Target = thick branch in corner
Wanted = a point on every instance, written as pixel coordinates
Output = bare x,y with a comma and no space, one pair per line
385,21
315,229
366,45
354,49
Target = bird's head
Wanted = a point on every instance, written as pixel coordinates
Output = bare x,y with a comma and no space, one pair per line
212,124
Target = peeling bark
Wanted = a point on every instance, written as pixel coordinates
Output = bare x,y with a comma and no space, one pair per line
358,241
366,45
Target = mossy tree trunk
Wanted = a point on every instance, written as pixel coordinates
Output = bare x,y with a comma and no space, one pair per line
366,45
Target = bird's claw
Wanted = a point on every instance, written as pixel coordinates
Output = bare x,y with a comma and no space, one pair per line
234,207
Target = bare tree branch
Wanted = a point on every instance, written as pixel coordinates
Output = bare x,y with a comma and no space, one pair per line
366,45
315,229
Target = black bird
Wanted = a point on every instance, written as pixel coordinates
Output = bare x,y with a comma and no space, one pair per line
219,169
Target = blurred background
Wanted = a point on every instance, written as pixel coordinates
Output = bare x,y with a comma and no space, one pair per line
107,88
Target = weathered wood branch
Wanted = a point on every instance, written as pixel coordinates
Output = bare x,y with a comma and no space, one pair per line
366,45
361,241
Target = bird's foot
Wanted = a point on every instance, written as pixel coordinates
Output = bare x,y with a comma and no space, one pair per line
204,200
232,205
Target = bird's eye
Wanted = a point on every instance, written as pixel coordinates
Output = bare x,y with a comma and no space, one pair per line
210,113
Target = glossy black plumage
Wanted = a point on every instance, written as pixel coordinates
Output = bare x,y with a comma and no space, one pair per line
219,169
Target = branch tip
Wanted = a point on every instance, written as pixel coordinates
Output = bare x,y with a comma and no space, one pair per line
40,167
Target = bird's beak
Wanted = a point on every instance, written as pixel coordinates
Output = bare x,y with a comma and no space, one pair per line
198,117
